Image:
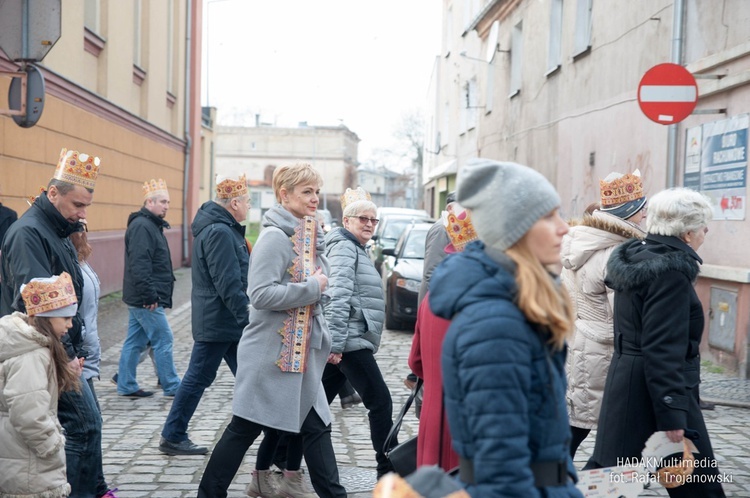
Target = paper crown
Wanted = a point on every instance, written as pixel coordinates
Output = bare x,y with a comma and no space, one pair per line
457,222
77,168
618,189
354,195
228,188
44,295
154,187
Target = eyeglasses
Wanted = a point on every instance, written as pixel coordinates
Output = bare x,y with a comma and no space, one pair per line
365,219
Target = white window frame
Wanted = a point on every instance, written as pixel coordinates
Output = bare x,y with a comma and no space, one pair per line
582,40
137,27
554,54
91,10
490,93
516,58
170,45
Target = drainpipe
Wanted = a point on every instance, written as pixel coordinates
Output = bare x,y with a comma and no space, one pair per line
188,140
678,21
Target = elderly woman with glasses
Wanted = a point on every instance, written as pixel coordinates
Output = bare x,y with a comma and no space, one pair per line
355,318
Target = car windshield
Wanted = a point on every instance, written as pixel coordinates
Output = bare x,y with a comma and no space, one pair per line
414,245
394,228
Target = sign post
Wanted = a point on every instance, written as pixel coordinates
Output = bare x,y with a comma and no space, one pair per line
667,93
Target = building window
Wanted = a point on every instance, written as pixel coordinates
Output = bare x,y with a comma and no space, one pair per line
516,56
471,104
490,87
554,56
91,15
468,106
582,41
449,31
170,46
137,32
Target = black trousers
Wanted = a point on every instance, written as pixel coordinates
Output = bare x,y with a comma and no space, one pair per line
362,371
240,434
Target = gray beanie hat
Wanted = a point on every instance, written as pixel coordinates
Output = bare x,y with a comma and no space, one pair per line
505,199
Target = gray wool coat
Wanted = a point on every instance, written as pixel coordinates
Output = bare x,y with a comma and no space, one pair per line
356,311
263,393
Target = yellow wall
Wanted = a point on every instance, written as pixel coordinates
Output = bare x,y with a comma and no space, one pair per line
28,157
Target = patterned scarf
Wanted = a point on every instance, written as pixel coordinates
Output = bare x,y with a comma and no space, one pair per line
297,328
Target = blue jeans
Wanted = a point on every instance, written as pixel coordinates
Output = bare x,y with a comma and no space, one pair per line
146,326
204,363
79,416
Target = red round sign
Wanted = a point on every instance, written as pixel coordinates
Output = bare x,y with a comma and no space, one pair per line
667,93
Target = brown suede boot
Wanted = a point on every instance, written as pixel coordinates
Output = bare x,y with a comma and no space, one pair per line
293,485
263,485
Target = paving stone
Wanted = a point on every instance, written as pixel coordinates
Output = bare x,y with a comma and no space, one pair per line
132,428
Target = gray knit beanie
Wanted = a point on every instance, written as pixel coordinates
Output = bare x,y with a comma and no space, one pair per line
505,199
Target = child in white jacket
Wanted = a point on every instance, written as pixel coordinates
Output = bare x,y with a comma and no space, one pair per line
34,369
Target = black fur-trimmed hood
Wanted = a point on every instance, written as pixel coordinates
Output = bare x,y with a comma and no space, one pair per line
636,263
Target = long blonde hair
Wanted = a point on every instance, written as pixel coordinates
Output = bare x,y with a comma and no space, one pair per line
540,299
67,380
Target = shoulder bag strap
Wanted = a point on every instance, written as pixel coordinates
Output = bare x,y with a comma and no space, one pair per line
397,423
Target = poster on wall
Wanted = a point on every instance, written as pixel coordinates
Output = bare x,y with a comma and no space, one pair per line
693,144
724,166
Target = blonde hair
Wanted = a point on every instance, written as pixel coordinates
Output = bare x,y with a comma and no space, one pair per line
539,298
288,177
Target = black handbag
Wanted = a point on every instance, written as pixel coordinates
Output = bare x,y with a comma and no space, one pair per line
403,456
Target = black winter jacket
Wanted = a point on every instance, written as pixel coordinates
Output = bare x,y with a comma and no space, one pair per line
148,275
220,263
37,246
7,217
658,323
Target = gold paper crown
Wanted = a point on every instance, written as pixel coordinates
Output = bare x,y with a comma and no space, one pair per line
354,195
621,189
229,188
154,187
77,168
47,294
457,223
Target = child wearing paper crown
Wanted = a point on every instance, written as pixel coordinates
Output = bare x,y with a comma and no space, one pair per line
503,357
33,371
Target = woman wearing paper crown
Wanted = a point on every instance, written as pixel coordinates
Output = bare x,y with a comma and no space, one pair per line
283,351
355,316
434,441
586,249
503,357
652,384
33,371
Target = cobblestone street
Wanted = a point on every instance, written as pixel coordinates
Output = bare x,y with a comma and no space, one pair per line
132,426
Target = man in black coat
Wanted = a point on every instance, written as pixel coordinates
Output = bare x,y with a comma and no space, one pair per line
147,290
37,245
7,217
219,302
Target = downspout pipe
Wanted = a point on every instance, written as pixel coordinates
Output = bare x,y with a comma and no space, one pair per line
678,22
188,139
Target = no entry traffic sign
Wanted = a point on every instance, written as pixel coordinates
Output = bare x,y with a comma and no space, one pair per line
667,93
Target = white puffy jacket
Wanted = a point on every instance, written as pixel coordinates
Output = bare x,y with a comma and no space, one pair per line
32,445
585,252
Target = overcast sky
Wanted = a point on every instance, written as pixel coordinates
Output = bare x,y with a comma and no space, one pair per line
357,62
